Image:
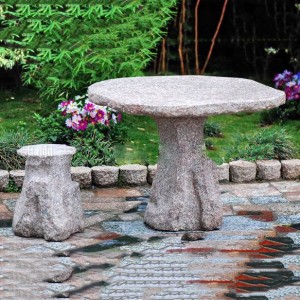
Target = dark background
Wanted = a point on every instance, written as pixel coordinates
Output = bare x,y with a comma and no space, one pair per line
249,26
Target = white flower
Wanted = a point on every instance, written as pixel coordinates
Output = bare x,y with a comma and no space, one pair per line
72,108
93,113
76,119
114,118
69,123
291,83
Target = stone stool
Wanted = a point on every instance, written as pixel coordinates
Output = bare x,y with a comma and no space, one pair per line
49,205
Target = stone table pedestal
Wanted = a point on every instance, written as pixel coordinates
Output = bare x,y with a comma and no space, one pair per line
185,193
49,205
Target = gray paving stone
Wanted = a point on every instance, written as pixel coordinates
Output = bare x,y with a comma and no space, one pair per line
239,223
268,200
288,220
228,199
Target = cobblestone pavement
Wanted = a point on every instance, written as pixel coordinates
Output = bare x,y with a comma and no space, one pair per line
255,255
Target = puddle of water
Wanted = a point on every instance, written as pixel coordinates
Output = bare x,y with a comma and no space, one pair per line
81,269
234,296
136,254
5,223
91,213
140,198
265,264
266,276
140,208
71,293
109,244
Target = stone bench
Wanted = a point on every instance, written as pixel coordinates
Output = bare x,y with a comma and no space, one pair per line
49,205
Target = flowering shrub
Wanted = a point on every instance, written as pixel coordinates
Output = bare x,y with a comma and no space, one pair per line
81,112
91,129
290,83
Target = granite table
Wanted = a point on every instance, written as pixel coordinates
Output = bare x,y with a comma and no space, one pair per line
185,192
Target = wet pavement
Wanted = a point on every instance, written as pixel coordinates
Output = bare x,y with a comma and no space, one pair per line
254,255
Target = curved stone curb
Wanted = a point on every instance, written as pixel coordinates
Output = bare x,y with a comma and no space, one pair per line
135,175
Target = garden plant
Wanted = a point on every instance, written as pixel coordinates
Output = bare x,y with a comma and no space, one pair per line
87,42
290,83
90,128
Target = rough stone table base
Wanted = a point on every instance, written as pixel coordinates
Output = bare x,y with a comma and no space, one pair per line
185,192
49,205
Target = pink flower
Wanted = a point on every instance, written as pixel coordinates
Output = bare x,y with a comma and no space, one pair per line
93,121
119,117
100,115
83,125
76,119
89,107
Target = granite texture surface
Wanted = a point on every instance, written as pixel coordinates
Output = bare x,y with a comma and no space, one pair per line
4,178
49,205
242,171
268,169
185,191
290,169
17,176
105,175
82,175
151,173
180,96
134,174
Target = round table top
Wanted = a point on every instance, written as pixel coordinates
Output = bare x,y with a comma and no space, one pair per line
181,96
46,150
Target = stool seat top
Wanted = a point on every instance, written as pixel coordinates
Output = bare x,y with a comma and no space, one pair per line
46,150
183,96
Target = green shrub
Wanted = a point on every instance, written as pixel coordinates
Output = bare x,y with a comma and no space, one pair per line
288,111
12,187
92,149
212,129
264,144
10,142
209,144
71,45
94,145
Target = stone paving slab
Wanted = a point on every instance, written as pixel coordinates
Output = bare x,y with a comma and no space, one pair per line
255,253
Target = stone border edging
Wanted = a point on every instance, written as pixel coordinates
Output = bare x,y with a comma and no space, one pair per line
135,175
